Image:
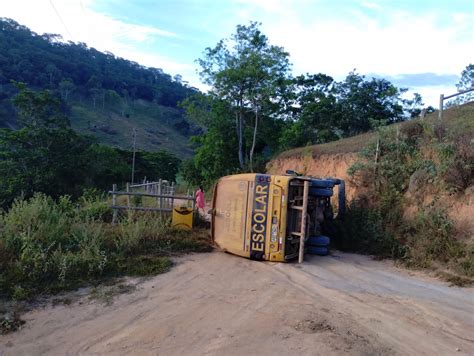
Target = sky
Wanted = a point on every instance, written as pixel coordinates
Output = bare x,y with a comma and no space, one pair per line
416,44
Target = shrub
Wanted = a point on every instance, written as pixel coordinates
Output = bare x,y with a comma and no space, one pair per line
458,163
47,246
363,230
416,156
431,238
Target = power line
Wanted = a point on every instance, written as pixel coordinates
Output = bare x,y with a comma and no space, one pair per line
60,18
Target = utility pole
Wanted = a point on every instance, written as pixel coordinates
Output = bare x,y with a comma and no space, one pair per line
134,150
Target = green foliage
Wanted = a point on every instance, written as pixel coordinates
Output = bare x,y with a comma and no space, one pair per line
94,206
411,157
457,163
216,154
466,82
102,95
47,246
325,110
47,156
248,74
44,61
39,109
431,238
364,231
41,159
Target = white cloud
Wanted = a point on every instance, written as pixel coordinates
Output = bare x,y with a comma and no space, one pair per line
371,5
402,43
408,44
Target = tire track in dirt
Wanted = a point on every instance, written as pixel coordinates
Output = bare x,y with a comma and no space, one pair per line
219,304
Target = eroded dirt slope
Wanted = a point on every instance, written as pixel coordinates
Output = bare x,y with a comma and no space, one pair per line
318,165
219,304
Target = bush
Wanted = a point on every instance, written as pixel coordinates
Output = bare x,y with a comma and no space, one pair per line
431,238
47,246
411,159
458,164
94,206
363,230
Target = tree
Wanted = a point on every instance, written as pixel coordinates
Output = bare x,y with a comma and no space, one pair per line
414,106
66,86
315,112
45,155
466,82
367,104
39,109
323,110
246,71
215,154
112,98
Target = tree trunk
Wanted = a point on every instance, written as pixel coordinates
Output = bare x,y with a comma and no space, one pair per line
254,140
241,138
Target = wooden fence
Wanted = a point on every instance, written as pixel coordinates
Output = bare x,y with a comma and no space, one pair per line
163,192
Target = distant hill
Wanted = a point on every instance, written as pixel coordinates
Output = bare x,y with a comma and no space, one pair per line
104,95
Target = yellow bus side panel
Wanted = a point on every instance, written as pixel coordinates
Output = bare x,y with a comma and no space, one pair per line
230,216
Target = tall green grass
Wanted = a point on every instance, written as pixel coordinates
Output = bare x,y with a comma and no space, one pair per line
47,246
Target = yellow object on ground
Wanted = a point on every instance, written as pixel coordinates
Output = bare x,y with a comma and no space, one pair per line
182,218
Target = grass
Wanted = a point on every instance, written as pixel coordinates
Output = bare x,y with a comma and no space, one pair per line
154,124
457,120
455,279
107,293
424,166
48,246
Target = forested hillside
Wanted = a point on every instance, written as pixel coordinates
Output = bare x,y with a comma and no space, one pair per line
104,96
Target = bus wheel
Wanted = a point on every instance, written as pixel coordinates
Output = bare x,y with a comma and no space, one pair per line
321,241
321,251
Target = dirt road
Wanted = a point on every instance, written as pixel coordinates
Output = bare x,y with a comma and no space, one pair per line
218,304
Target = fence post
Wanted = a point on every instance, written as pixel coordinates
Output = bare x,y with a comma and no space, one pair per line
128,196
172,194
440,113
160,191
114,203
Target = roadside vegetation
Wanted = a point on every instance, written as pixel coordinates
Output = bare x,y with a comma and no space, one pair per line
47,246
402,213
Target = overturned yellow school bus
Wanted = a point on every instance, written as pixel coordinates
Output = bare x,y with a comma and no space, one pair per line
270,217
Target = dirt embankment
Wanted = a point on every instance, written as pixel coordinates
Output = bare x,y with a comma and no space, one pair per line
322,165
219,304
459,207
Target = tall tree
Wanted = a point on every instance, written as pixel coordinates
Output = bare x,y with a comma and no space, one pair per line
246,71
466,82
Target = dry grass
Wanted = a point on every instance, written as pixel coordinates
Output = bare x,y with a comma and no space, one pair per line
457,120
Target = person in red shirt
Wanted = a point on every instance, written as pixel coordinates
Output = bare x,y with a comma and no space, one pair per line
200,202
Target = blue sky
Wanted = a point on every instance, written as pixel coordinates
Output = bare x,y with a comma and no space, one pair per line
422,45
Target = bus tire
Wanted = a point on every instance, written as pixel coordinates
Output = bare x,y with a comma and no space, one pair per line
320,251
321,241
322,183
